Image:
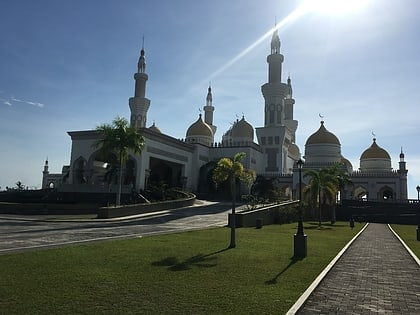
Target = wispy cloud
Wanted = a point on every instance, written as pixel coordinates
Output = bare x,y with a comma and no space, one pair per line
11,100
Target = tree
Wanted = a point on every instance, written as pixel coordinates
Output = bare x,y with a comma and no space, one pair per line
20,185
120,138
341,180
322,188
232,170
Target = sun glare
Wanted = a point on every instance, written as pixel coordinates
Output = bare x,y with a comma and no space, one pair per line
335,7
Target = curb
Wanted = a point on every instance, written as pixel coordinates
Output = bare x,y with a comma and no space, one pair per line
416,259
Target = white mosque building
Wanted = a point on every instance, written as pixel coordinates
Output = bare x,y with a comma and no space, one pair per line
273,154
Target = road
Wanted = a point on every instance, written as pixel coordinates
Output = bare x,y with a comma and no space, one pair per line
22,233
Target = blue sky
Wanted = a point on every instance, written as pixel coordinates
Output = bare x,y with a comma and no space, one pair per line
69,65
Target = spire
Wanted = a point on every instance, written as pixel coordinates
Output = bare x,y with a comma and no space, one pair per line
46,166
402,155
209,98
275,41
142,60
209,109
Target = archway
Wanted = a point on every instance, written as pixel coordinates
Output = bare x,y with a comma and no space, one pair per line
165,172
104,168
386,193
360,193
79,169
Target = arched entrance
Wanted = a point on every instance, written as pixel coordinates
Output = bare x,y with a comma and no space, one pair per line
165,172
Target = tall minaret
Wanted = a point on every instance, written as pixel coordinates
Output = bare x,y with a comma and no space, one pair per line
139,104
278,133
402,172
45,173
208,111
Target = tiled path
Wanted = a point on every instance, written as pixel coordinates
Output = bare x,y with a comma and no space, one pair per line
375,275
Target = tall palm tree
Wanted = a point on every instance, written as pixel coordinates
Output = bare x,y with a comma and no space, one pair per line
121,138
341,179
322,189
230,170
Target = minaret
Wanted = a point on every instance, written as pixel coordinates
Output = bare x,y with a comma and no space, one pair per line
279,129
139,104
402,171
289,103
208,110
45,173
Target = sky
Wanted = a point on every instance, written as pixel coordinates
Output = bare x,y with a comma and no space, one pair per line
69,65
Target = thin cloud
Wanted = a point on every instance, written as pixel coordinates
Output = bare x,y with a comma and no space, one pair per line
5,102
13,99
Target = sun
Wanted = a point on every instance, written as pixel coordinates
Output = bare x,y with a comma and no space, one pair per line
335,7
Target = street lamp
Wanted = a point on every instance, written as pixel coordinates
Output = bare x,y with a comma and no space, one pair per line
300,240
418,212
300,221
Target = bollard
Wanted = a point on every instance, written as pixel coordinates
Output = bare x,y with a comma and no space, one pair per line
352,222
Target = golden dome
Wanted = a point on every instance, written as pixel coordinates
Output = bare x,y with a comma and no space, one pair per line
375,152
199,128
155,128
242,129
322,136
347,163
294,150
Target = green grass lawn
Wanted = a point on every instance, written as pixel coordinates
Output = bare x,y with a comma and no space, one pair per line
185,273
409,234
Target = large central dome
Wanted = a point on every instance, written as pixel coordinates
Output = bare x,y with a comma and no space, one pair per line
322,147
322,136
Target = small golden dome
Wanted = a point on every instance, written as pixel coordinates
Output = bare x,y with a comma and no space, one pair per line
242,129
155,128
347,163
294,150
199,128
375,152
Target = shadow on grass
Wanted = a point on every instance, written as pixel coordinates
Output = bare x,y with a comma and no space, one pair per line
316,226
200,261
293,261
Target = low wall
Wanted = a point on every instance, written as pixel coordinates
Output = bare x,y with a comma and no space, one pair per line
47,208
266,215
123,211
379,212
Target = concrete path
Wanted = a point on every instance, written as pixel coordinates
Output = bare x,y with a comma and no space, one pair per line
21,233
375,275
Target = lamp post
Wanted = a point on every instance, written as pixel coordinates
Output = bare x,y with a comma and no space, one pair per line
300,239
418,212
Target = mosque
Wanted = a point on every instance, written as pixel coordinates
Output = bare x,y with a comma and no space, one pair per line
273,154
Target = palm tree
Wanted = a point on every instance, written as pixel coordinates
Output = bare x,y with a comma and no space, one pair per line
341,179
121,138
230,170
322,188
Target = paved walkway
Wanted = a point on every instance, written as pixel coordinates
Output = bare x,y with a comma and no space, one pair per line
375,275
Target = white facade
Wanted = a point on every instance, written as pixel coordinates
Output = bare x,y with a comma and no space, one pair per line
178,162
